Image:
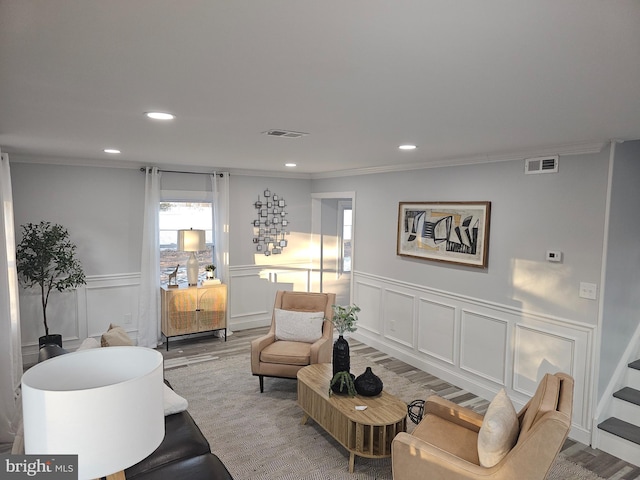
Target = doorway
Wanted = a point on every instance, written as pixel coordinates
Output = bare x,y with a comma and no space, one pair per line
333,220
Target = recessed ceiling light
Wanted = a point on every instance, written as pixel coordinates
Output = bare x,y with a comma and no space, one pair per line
160,115
113,151
290,165
407,147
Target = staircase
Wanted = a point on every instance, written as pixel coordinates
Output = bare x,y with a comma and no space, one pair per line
620,433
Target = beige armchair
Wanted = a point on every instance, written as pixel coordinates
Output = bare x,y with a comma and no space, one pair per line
444,444
271,357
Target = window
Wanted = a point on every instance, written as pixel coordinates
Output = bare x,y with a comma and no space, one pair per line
176,216
347,226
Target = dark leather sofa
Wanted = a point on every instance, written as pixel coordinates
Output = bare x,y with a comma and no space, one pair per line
184,453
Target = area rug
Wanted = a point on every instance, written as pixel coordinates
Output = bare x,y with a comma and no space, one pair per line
260,437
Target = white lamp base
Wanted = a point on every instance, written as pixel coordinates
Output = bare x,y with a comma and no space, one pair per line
192,270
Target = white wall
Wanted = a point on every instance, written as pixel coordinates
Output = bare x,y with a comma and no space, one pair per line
530,214
102,208
622,292
254,276
244,191
500,327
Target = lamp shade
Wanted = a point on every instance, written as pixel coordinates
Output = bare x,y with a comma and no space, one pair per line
104,405
191,240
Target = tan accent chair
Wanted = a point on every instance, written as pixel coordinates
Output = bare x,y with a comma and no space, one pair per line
444,444
283,359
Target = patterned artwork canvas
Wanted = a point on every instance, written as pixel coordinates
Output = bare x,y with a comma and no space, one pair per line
455,232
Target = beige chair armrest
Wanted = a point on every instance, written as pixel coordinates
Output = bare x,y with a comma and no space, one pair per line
257,345
321,349
452,412
414,459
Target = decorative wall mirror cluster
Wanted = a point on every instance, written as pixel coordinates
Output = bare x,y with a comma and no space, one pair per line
270,228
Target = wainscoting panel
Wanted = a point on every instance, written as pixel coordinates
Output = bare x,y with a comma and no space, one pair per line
81,313
252,292
399,315
483,346
62,315
540,350
436,330
112,299
478,346
369,298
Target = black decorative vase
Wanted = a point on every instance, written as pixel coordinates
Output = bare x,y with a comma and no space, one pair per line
341,359
368,384
53,339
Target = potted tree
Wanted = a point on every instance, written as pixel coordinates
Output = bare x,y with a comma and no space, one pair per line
46,258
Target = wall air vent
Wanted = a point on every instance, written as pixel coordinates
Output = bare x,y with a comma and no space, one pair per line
284,133
541,165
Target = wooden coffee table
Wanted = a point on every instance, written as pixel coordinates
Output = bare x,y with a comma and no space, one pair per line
366,433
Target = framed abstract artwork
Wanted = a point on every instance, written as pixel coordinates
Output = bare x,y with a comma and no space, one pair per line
452,232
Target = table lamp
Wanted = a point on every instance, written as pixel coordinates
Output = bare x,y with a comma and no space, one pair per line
192,241
105,405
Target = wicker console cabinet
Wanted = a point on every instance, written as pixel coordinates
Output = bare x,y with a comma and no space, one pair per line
187,310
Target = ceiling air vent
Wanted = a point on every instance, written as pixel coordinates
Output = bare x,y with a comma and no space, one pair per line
284,133
541,165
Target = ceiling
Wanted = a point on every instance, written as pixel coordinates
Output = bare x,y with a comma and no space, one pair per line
465,80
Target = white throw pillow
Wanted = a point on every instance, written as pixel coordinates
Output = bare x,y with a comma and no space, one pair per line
173,403
499,430
298,326
89,343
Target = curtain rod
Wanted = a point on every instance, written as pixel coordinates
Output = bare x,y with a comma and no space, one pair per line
143,170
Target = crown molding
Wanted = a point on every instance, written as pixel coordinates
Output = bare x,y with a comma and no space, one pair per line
576,149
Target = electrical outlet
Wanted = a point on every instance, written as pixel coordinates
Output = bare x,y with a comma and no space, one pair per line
588,290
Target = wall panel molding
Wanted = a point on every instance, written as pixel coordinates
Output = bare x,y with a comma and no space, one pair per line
88,310
436,330
483,346
398,313
479,346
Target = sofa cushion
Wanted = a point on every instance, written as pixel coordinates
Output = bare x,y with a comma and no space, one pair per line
182,439
173,403
298,326
499,430
287,353
449,437
202,467
89,343
116,336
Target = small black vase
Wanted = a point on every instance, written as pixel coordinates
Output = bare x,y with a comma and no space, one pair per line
341,359
368,384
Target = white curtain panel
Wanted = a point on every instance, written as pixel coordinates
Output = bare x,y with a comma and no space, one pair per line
149,334
10,341
220,210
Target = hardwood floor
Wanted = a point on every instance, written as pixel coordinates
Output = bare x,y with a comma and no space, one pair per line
203,348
